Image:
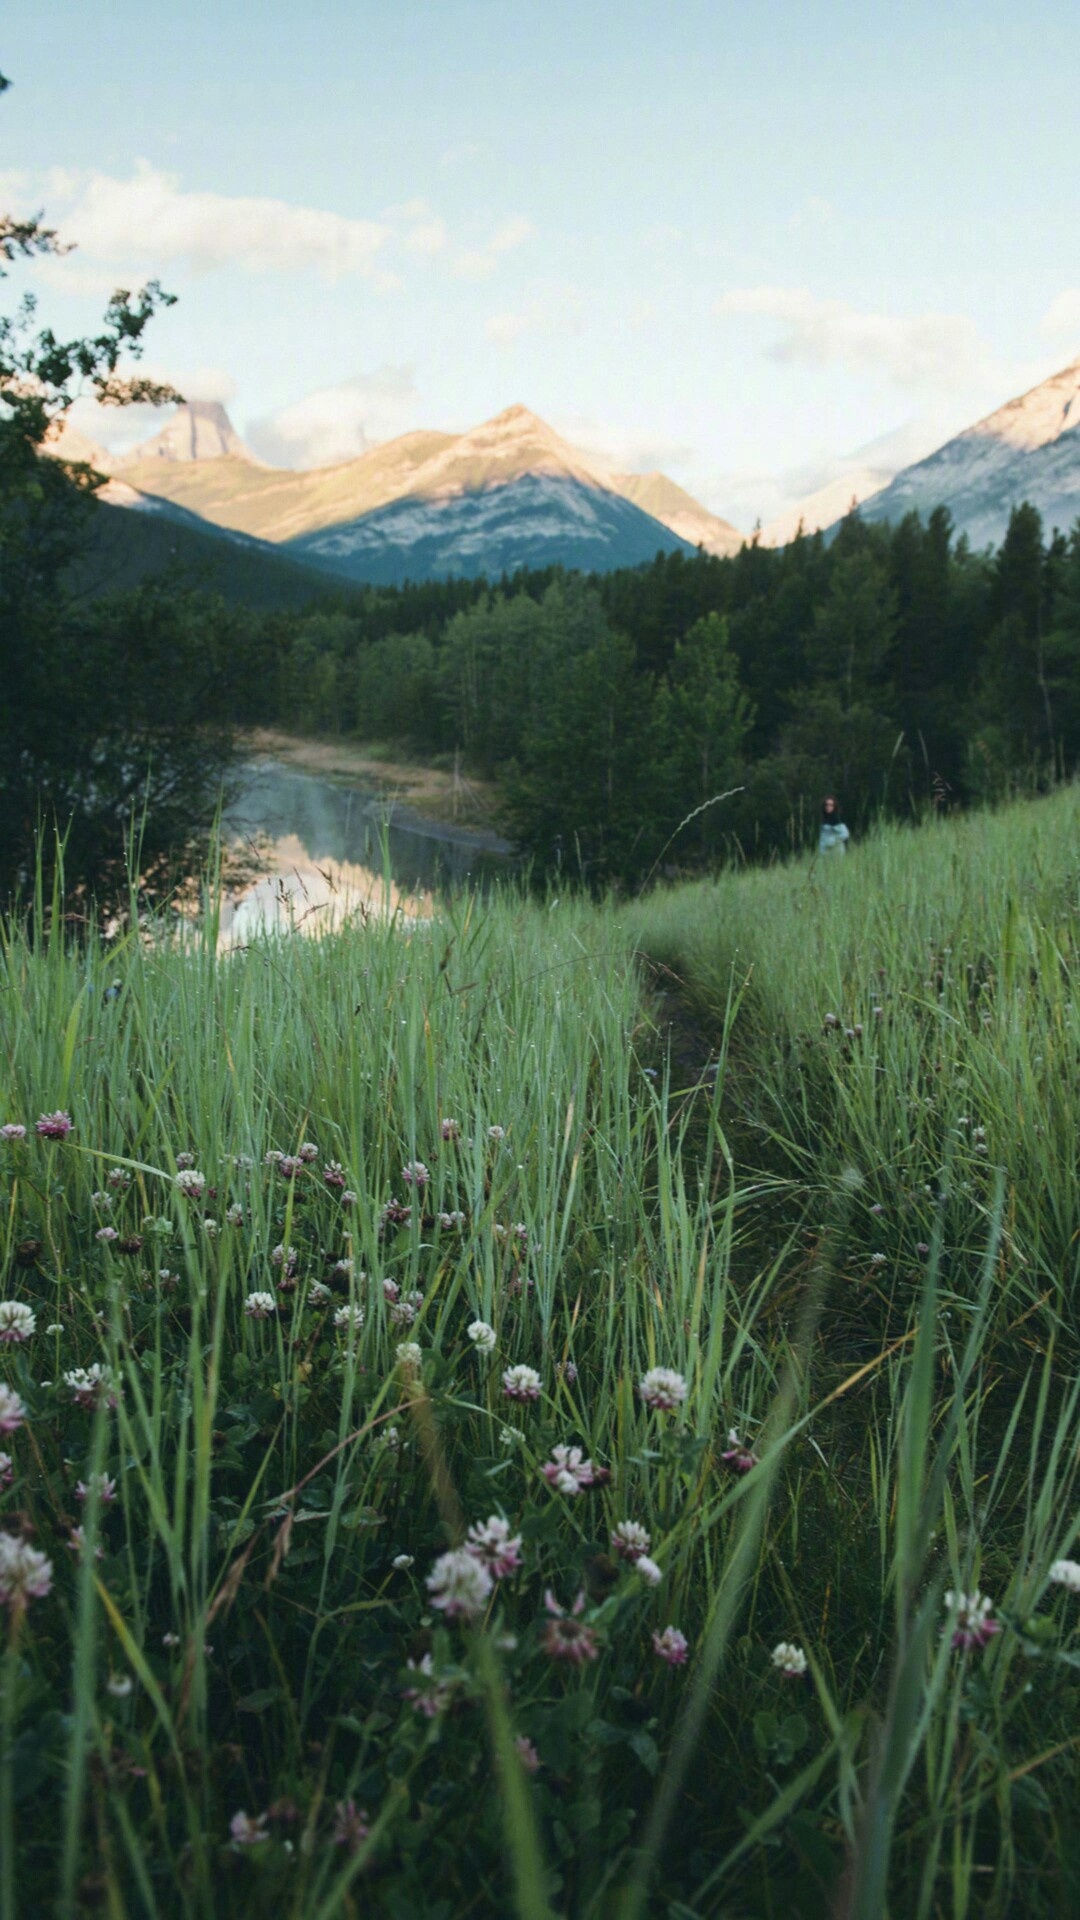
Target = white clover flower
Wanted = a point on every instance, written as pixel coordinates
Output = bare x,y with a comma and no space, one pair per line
671,1646
92,1386
970,1622
630,1540
483,1337
319,1295
878,1259
789,1659
119,1685
496,1133
307,1152
185,1160
191,1183
459,1585
648,1569
452,1222
7,1469
119,1177
1065,1573
492,1543
521,1383
510,1437
568,1471
402,1560
348,1198
248,1832
13,1132
210,1227
54,1327
409,1355
415,1174
235,1214
349,1319
17,1322
100,1484
344,1269
259,1306
101,1200
107,1235
25,1574
662,1389
282,1256
12,1411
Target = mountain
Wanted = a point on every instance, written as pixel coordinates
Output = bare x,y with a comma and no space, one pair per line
225,486
199,430
654,493
508,494
1028,450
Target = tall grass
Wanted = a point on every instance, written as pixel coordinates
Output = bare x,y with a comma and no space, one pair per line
814,1241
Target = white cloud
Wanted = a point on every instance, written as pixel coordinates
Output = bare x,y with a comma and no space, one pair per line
340,422
121,427
943,350
1062,316
554,309
149,219
479,263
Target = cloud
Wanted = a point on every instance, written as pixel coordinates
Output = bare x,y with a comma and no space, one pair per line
340,422
479,263
121,427
1062,316
555,309
943,350
150,219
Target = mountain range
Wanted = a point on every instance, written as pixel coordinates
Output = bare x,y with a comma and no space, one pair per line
512,493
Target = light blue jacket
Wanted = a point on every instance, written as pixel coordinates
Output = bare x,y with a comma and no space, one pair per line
832,837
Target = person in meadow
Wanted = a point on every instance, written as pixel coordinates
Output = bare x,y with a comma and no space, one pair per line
833,836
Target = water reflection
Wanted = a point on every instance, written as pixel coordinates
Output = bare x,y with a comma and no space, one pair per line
323,851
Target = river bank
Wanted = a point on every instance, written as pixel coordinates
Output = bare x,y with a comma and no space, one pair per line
423,794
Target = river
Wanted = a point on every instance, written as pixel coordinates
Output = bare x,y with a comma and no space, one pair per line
327,851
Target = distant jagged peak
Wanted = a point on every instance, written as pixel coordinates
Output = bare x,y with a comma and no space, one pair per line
198,430
1035,418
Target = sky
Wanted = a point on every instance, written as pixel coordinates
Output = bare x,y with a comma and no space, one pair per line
738,243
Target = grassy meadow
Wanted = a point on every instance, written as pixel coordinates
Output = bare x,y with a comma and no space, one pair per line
463,1456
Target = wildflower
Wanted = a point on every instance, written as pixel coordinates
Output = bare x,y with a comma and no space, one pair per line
521,1383
12,1131
483,1337
349,1318
12,1411
739,1457
318,1295
415,1174
235,1214
401,1561
391,1292
92,1386
878,1259
185,1159
334,1174
54,1126
210,1227
432,1696
496,1133
55,1327
493,1545
459,1584
7,1470
282,1256
100,1484
351,1825
393,1215
662,1389
248,1832
103,1201
77,1543
119,1685
565,1636
16,1322
510,1437
390,1438
672,1646
568,1371
969,1619
452,1222
170,1639
25,1574
289,1166
409,1355
307,1152
119,1178
1065,1573
450,1130
259,1306
568,1471
630,1540
107,1235
527,1753
648,1569
191,1183
273,1157
348,1198
789,1660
